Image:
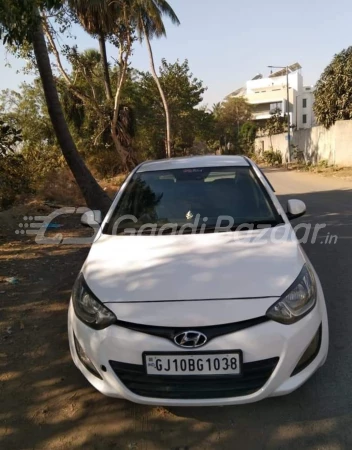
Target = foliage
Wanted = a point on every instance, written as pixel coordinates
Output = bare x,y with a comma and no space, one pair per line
13,170
60,187
115,114
216,110
148,15
10,137
24,24
34,152
18,19
184,93
234,112
258,158
26,110
229,117
87,109
247,135
148,22
324,163
333,93
273,157
276,124
14,178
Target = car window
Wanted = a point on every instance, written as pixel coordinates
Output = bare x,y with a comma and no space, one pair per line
180,196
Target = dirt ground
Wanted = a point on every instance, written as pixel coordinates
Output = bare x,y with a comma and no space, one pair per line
45,402
344,173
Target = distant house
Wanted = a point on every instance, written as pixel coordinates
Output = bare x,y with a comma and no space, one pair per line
268,95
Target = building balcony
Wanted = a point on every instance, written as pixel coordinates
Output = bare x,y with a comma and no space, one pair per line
261,116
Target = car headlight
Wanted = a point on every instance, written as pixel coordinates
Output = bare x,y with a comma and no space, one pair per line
88,308
299,299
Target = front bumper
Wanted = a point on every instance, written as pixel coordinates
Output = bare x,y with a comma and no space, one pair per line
261,342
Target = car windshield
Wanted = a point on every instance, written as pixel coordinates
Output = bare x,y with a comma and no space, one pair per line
231,196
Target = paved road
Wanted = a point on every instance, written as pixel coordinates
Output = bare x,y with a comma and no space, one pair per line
319,415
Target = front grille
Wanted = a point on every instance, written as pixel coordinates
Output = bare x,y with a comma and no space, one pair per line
211,331
255,375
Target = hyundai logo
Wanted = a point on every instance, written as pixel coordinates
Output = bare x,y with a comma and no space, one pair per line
190,339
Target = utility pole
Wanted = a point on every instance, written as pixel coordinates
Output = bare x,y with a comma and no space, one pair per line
288,111
288,118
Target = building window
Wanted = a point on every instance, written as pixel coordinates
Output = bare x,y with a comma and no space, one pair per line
304,118
275,107
304,103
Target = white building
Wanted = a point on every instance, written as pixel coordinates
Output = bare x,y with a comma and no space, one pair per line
269,95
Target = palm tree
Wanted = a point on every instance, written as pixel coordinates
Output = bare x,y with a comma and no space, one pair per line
98,18
112,18
92,192
216,109
21,23
149,24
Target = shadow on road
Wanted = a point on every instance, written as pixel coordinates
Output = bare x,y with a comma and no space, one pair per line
47,404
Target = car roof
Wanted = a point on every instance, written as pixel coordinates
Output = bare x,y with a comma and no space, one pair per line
193,162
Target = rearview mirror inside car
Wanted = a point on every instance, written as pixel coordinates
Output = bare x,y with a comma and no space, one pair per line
91,218
295,209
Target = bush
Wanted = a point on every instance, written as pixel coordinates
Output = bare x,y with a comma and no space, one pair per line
273,157
60,187
104,163
14,179
323,163
256,157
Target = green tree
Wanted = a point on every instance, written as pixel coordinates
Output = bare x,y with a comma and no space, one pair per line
149,24
90,120
247,137
118,20
333,93
99,19
21,25
230,115
216,110
110,113
10,137
26,110
184,93
276,124
13,179
234,112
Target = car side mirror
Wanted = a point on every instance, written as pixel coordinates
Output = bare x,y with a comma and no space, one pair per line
295,209
91,218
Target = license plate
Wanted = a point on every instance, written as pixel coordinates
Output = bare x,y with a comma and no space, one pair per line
197,363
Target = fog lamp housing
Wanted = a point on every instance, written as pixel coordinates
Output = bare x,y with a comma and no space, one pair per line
310,354
85,360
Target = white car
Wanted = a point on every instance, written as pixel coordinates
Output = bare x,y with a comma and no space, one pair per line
196,290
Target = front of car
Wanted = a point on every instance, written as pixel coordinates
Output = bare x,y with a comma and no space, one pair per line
196,291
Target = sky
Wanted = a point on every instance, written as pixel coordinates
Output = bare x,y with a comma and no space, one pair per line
229,42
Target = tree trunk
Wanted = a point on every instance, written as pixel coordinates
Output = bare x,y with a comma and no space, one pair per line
94,195
104,61
126,158
162,95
